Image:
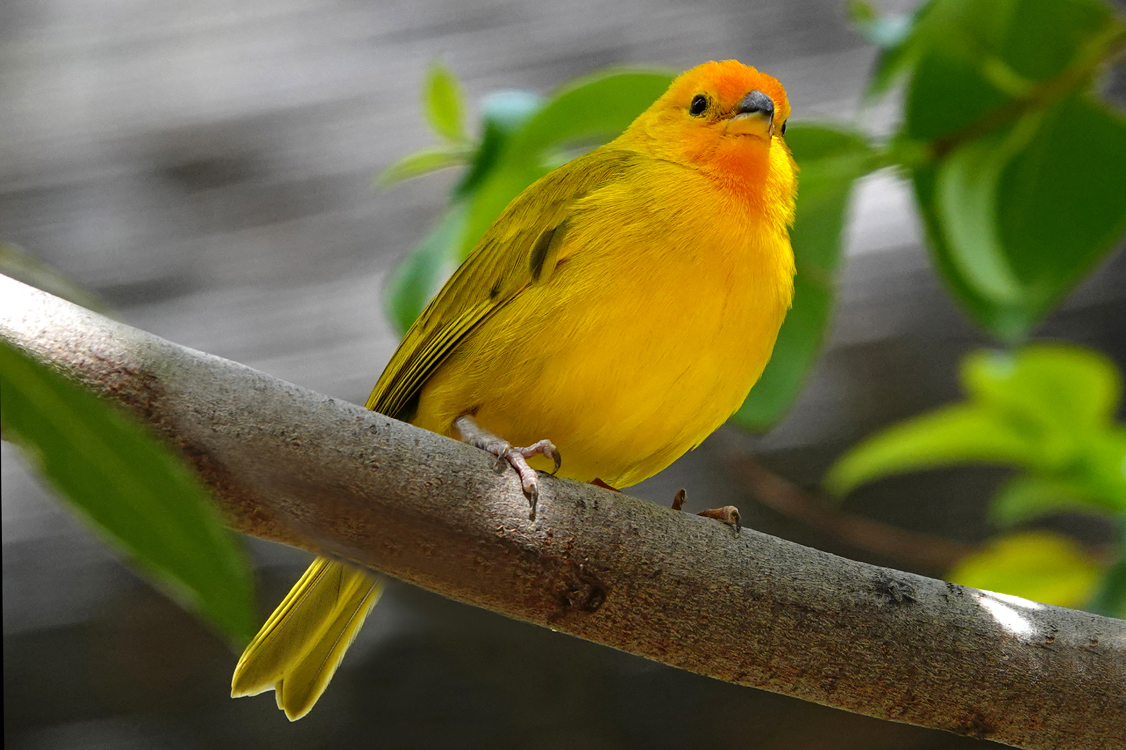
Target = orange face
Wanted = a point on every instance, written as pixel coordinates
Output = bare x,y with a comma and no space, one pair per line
720,115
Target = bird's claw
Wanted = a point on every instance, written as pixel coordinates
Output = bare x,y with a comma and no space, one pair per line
728,514
517,458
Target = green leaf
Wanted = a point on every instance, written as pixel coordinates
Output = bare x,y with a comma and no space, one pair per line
1059,201
591,110
899,41
1059,387
130,488
972,56
503,113
1110,597
1006,322
1014,235
830,161
883,31
420,275
595,108
948,436
1030,496
1040,566
422,162
948,92
442,102
1102,468
966,193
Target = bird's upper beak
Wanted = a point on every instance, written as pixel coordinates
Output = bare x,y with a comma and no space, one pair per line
754,115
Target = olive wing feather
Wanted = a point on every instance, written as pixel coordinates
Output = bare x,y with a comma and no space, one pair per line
519,249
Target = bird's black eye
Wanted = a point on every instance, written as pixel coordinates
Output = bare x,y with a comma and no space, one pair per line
699,104
784,127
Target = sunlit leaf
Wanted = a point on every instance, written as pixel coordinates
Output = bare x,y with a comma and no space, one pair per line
422,162
830,161
442,101
1041,566
948,436
1067,388
130,488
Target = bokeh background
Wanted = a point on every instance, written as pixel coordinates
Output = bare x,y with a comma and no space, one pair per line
205,168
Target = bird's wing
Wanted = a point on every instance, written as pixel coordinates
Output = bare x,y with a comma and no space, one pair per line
519,249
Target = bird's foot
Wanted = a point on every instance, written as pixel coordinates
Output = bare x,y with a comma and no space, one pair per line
728,514
517,458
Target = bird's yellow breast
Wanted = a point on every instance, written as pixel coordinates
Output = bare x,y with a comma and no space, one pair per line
659,317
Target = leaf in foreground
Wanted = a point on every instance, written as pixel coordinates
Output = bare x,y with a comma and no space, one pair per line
132,489
1037,565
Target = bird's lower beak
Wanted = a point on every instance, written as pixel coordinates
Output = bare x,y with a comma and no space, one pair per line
759,124
754,116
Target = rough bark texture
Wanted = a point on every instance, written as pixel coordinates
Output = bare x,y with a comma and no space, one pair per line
289,464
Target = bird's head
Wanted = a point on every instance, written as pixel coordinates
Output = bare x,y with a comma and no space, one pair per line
722,117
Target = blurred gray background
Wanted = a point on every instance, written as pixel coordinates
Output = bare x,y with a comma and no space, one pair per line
205,168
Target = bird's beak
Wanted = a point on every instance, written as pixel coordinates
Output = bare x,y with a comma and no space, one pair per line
753,116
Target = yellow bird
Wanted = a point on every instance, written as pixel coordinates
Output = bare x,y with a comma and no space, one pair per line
622,306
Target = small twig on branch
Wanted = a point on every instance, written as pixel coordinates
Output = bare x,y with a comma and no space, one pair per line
911,548
288,464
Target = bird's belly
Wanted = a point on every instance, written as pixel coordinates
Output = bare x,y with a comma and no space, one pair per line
623,378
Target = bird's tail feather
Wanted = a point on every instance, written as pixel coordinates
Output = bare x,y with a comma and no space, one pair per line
299,648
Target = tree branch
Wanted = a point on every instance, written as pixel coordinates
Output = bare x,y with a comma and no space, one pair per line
288,464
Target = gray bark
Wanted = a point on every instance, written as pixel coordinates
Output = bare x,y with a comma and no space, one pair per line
288,464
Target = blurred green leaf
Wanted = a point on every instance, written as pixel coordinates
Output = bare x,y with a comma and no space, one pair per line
1110,597
1040,566
422,162
965,203
883,31
420,275
1103,468
21,265
442,102
1011,232
830,161
595,108
971,56
130,488
947,93
1059,201
1057,386
1028,496
898,46
587,112
952,435
503,113
1003,321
